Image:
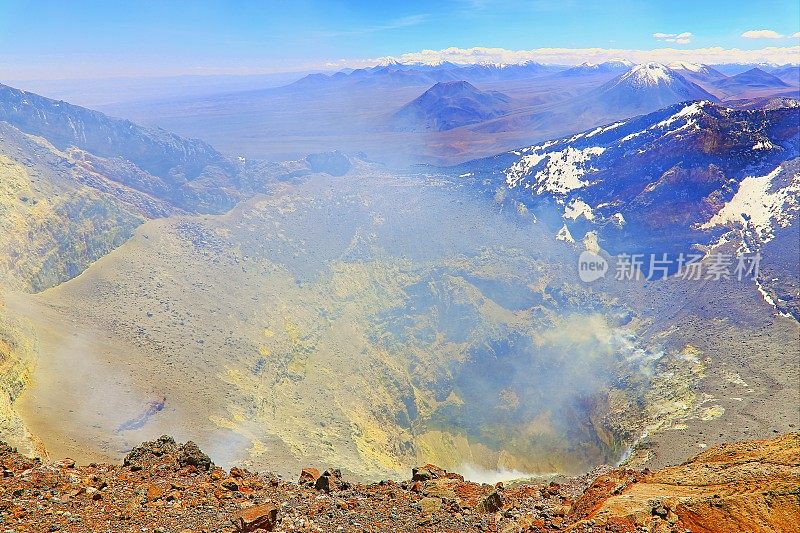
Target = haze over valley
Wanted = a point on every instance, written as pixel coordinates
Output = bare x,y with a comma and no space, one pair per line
572,265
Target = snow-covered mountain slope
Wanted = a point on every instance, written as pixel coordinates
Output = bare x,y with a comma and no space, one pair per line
695,175
761,205
697,72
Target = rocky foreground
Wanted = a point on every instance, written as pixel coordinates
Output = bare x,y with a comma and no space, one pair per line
163,486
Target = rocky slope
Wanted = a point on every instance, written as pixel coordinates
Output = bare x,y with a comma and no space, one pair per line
163,486
185,172
692,174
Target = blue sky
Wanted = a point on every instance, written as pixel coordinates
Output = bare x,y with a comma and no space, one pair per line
86,38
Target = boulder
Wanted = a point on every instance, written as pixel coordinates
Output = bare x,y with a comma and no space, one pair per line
260,517
229,484
330,480
491,503
151,450
430,505
427,472
165,449
190,454
308,476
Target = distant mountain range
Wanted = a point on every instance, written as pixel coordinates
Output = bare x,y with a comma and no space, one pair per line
449,105
754,78
355,110
697,72
417,74
609,67
789,73
641,89
396,74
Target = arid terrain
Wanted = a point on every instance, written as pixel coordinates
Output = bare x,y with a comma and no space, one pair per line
163,486
593,326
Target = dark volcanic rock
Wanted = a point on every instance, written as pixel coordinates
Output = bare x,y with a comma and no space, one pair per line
190,454
427,472
492,503
330,480
150,450
165,448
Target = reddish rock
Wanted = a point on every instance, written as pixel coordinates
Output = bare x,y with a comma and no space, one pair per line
309,476
260,517
155,492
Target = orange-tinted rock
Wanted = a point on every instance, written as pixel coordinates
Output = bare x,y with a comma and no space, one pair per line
252,519
155,492
748,486
309,476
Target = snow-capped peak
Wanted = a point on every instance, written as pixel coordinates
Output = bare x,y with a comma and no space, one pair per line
690,67
621,61
388,62
611,63
649,74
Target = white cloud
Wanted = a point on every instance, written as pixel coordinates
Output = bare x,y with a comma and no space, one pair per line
677,38
575,56
762,34
796,35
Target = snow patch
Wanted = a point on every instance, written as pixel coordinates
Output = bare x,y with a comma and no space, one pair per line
754,206
603,129
564,235
591,242
691,110
562,172
576,208
763,145
691,67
